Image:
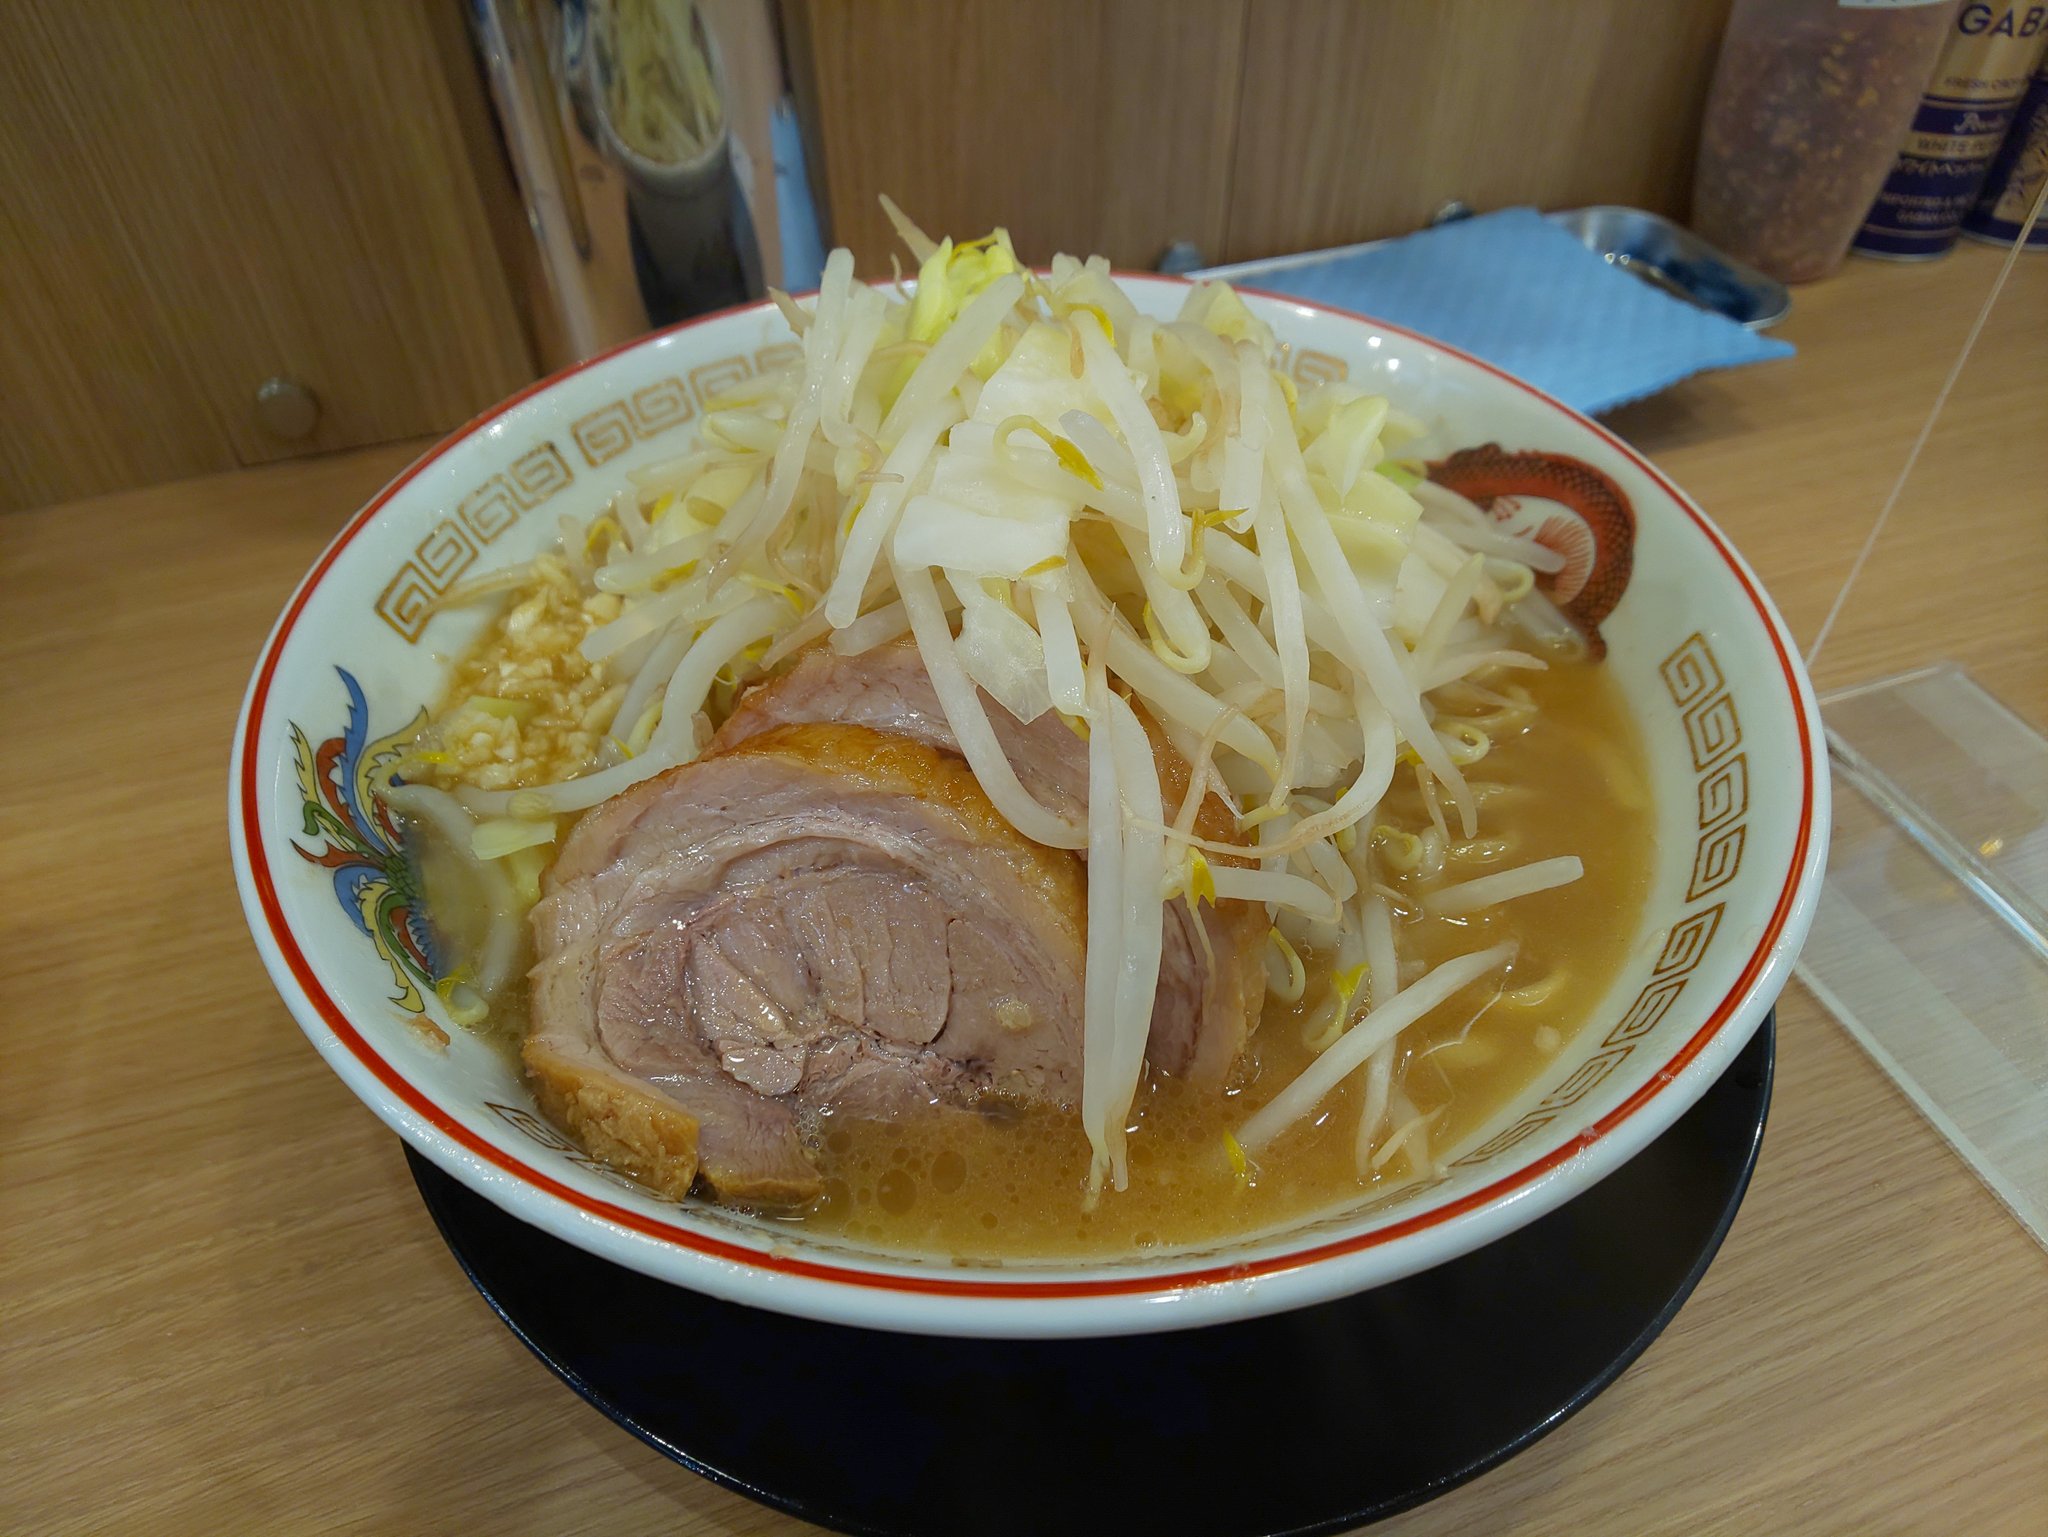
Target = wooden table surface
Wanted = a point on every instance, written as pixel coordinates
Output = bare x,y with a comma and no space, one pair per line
222,1307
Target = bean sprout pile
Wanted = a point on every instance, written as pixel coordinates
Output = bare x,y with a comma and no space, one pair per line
1071,506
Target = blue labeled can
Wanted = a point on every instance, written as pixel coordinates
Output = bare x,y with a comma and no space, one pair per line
2016,177
1963,119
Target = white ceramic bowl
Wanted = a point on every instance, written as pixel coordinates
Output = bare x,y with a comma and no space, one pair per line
1730,723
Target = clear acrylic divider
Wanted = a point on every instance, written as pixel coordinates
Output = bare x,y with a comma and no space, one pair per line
1930,945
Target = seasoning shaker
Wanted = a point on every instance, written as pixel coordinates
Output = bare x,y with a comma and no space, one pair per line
2017,177
1960,123
1810,101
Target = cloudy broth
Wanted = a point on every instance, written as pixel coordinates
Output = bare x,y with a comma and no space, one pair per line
992,1186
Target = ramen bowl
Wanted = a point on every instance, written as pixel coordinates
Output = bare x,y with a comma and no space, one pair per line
1727,718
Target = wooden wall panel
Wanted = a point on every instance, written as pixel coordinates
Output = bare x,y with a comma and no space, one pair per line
1360,118
197,197
1250,128
93,393
1081,126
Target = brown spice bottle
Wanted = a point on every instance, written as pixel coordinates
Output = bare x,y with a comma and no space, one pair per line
1809,103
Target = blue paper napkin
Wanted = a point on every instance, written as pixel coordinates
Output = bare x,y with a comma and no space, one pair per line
1513,288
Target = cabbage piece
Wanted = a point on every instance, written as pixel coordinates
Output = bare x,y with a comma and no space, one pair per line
987,485
1090,287
934,531
1183,373
1418,589
1383,501
951,276
500,836
1037,381
1000,650
1216,307
1347,444
950,279
946,368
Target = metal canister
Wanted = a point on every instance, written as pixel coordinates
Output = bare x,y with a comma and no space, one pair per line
1962,120
2016,176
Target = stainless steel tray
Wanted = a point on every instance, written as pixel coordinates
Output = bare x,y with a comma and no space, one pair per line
1645,245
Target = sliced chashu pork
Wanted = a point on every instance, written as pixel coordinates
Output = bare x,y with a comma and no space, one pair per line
1209,998
822,913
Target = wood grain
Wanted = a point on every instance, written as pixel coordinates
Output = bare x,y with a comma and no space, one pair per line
1798,467
1080,126
196,198
223,1308
1360,118
1248,128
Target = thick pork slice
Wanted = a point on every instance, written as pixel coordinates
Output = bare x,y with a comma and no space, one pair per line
1209,996
817,916
887,688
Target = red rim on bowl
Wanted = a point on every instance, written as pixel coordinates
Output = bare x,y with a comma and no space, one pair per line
337,1022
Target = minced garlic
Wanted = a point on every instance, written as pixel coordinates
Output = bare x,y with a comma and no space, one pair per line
525,707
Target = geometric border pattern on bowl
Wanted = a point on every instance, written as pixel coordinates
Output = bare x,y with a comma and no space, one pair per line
1713,732
536,477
